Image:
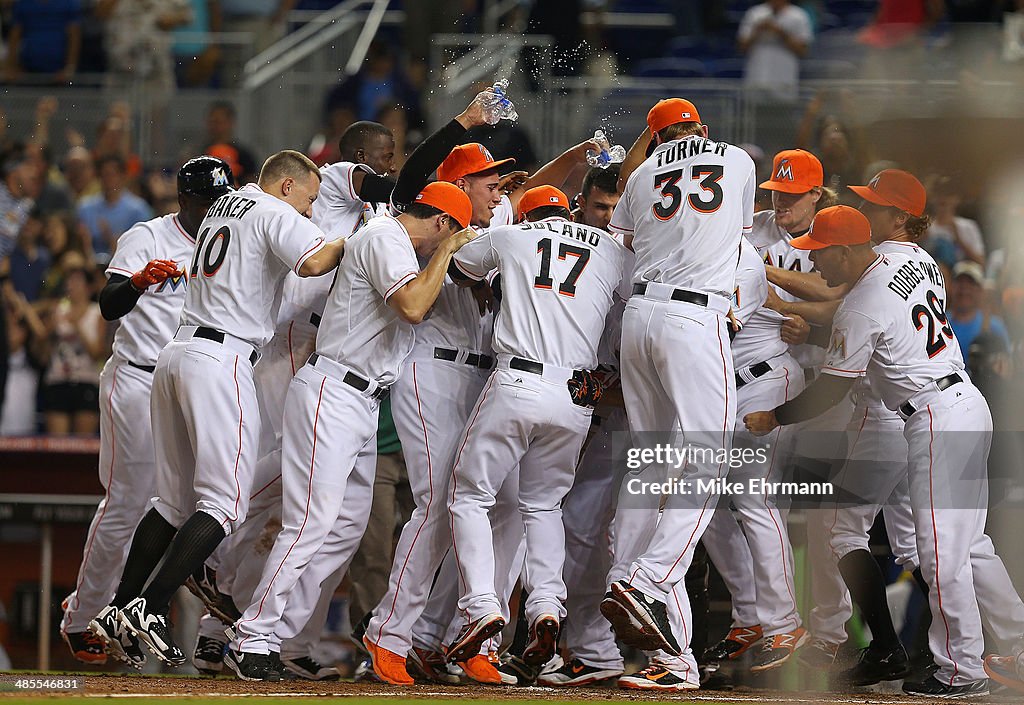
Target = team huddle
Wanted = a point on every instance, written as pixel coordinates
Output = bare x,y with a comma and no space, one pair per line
516,337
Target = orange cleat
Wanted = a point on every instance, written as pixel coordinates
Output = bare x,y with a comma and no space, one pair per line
480,669
389,666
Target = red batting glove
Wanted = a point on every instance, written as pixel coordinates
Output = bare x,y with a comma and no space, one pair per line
155,272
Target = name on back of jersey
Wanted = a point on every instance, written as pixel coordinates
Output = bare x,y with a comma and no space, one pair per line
684,149
230,206
910,275
569,230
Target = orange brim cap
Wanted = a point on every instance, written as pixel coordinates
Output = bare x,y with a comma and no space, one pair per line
838,225
795,171
540,197
467,159
447,198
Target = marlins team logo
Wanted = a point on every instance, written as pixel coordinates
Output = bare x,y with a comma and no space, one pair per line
219,177
837,345
785,171
174,282
874,182
484,151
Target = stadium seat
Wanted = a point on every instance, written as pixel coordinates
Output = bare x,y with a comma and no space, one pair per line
671,67
726,68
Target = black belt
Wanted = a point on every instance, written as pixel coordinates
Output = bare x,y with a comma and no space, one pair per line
145,368
518,363
758,370
315,319
218,337
355,381
484,362
690,297
907,409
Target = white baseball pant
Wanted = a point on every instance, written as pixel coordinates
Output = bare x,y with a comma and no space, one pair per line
206,428
128,475
430,403
329,435
700,396
949,439
440,622
586,514
764,523
528,419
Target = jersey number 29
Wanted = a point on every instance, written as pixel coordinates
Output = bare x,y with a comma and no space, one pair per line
934,317
210,251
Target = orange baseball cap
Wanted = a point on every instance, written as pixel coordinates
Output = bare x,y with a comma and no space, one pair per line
795,171
669,112
447,198
838,225
541,196
895,188
468,159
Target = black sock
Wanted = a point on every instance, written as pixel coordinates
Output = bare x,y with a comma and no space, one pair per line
193,544
922,584
521,635
151,539
864,580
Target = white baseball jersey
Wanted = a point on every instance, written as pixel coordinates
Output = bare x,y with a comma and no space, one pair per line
557,281
772,243
338,210
359,329
759,339
892,327
666,207
147,328
247,243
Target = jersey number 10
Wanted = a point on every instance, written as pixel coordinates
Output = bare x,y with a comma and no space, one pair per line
210,251
544,280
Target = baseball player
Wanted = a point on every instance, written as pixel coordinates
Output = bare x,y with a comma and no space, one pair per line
682,212
349,195
766,374
891,327
145,290
366,333
205,412
445,374
535,410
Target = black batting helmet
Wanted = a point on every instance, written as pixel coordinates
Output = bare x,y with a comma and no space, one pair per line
205,176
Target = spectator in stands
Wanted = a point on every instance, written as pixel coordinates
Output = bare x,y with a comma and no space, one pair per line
69,245
221,119
984,340
196,53
77,335
18,188
114,210
379,82
54,194
774,35
26,341
114,139
323,148
838,145
45,38
30,260
80,173
952,238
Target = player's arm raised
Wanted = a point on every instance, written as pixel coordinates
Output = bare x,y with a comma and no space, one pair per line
555,172
634,158
415,299
323,261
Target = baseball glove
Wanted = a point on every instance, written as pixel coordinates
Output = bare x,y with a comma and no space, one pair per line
585,388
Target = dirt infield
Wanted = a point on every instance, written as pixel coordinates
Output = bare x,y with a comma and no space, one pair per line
186,688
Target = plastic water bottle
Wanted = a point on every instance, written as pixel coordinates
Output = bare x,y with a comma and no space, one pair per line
496,105
609,154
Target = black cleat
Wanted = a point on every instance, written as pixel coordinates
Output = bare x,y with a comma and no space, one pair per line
577,673
876,665
118,641
472,636
650,614
253,667
208,658
308,668
933,688
152,630
543,641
